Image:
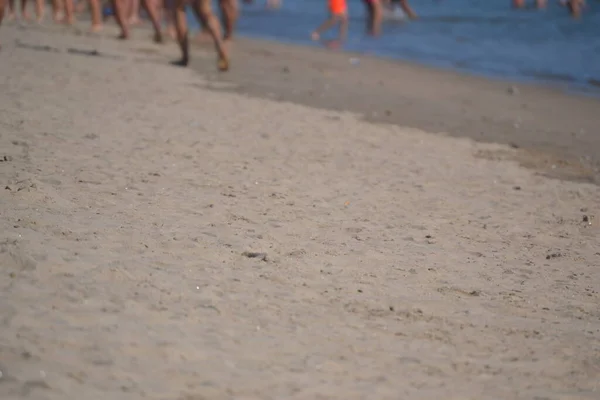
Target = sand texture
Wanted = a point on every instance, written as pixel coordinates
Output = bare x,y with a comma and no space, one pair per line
393,263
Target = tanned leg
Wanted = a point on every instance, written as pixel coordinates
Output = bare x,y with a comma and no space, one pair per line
133,12
2,4
39,10
152,10
575,8
11,9
57,7
325,26
170,18
407,9
24,13
203,8
182,32
69,12
96,11
377,17
344,27
119,8
229,16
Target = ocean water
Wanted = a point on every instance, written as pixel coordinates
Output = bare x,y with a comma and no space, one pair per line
480,36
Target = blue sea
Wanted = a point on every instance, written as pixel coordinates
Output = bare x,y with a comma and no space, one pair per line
485,37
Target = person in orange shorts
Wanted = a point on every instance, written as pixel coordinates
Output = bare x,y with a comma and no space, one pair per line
338,15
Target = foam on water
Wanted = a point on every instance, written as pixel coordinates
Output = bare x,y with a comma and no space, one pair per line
480,36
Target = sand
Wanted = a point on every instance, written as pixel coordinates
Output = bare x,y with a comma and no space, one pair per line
396,262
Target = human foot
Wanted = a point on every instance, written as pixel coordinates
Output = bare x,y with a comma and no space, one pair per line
180,63
223,63
96,28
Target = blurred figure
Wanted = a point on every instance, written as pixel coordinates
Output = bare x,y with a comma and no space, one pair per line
268,4
338,16
374,16
63,11
521,3
203,11
121,10
2,4
95,12
39,10
168,11
229,15
574,6
133,12
404,6
11,10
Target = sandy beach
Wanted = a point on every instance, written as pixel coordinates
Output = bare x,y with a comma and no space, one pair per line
303,227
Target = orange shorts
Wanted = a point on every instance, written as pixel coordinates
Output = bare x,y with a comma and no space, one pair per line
337,6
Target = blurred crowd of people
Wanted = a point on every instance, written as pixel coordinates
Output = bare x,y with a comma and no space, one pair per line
171,13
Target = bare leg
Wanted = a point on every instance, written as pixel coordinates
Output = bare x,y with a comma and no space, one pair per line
69,12
170,18
119,13
11,9
96,15
57,7
343,27
153,14
229,16
376,14
518,3
540,4
133,12
80,6
407,9
204,34
203,9
2,4
182,31
24,12
39,10
328,24
575,8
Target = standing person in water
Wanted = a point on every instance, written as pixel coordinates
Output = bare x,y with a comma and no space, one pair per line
374,16
203,11
338,16
574,6
521,3
404,6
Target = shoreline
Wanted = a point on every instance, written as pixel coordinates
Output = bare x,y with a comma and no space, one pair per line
568,85
554,131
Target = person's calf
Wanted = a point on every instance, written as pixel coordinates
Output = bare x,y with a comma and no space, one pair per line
2,6
229,13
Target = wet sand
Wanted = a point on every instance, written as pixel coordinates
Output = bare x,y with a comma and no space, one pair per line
393,260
